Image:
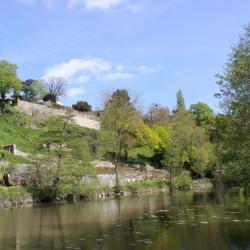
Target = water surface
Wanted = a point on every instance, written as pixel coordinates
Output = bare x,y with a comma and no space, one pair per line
212,220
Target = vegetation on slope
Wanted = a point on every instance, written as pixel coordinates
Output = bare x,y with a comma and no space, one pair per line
189,143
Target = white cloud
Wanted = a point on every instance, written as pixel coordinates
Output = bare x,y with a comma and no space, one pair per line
80,71
96,4
103,5
82,79
75,92
147,70
119,67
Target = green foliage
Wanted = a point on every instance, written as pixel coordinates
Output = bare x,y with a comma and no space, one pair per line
235,128
146,136
13,159
141,155
180,101
194,147
203,115
13,194
119,120
90,189
15,128
32,90
82,106
183,145
183,181
157,115
136,186
8,78
61,158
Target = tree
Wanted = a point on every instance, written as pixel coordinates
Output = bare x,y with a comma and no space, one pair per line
235,95
157,115
196,150
8,79
61,158
168,154
203,115
180,100
55,87
119,119
82,106
183,145
32,90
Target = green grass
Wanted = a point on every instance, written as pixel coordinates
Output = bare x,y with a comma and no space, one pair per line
13,159
136,186
15,129
13,194
183,181
86,190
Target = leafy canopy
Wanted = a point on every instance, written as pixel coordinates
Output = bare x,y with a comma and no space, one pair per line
8,78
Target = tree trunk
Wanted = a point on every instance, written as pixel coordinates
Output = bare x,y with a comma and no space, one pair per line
3,96
2,101
116,175
170,181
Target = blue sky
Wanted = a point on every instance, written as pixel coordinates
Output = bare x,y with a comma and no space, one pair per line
151,47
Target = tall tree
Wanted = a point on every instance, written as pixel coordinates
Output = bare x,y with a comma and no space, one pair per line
183,146
8,79
157,115
55,87
119,119
235,94
180,100
61,158
32,90
203,115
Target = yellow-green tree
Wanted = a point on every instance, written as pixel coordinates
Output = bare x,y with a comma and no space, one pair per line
8,79
119,119
61,158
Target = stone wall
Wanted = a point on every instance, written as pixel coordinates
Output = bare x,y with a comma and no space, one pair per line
88,120
13,149
128,173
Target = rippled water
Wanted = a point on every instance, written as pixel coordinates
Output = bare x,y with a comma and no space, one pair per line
213,220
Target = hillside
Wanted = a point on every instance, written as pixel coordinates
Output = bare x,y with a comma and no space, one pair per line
17,128
21,129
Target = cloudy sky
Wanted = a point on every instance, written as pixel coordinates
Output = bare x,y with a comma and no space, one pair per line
151,47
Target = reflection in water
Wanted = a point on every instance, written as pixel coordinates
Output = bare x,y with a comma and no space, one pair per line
214,220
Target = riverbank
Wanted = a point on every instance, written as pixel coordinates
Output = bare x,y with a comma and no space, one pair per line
11,197
19,197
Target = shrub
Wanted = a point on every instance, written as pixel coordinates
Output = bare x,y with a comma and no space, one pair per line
183,181
13,194
135,186
82,106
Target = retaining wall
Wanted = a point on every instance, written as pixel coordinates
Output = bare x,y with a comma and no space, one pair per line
88,120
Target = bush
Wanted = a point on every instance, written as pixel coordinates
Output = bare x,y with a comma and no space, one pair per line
82,106
135,186
13,194
13,159
183,181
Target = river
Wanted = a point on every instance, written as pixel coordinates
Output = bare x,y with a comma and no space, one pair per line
185,220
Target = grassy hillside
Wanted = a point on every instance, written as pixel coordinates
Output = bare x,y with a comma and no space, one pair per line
16,128
21,129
